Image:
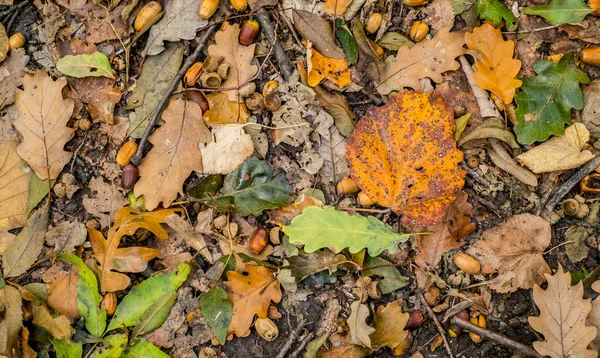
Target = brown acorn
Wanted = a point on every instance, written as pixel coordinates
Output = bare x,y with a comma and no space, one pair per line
364,200
347,186
147,16
591,56
269,87
259,240
595,6
129,176
415,319
418,31
272,102
249,32
126,152
379,51
467,263
198,97
454,330
192,75
16,41
266,328
255,102
109,303
373,23
239,5
414,2
208,8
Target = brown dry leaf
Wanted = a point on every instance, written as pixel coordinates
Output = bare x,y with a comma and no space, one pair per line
588,31
42,122
59,327
590,115
131,259
66,236
4,45
342,348
284,215
429,58
224,111
593,319
320,67
238,56
11,75
337,106
514,248
439,14
319,31
403,156
251,295
359,329
229,148
14,181
337,8
455,226
11,323
62,283
389,323
563,313
193,239
175,154
26,350
495,66
105,203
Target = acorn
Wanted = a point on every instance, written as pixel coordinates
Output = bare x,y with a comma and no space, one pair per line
16,41
595,6
208,8
414,2
272,102
249,32
266,328
467,263
247,89
379,51
454,330
591,183
255,102
479,321
129,176
126,152
575,207
591,56
239,5
418,31
259,240
269,87
211,63
147,15
347,186
198,97
109,303
192,75
373,23
364,200
274,235
223,71
210,80
415,319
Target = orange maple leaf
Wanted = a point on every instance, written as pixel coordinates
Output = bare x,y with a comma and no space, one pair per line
321,67
496,69
403,156
251,295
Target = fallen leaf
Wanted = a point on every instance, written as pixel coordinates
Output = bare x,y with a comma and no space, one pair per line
217,311
317,228
461,6
559,153
514,248
59,327
192,239
26,350
180,22
590,115
12,321
496,69
237,56
175,154
66,236
304,265
321,67
42,122
348,42
560,11
23,252
105,203
588,31
341,347
337,106
224,111
11,75
319,32
38,190
394,40
14,181
228,149
4,45
439,14
445,234
337,7
491,128
428,58
389,322
563,313
359,329
545,101
504,161
284,215
496,12
143,348
85,65
332,148
62,289
390,163
251,295
392,278
369,61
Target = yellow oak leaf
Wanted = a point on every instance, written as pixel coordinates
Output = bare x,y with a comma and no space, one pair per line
389,323
14,181
337,7
496,67
321,67
224,111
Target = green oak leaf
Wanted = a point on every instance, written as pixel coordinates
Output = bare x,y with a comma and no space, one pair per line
304,265
392,278
545,101
86,65
317,228
253,187
494,10
88,298
143,348
217,310
348,42
560,11
143,295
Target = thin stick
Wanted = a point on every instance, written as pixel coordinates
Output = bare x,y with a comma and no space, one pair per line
498,338
379,211
573,180
136,159
437,324
291,338
269,32
303,343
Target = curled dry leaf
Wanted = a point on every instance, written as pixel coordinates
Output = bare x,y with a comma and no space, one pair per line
562,319
43,117
403,156
495,66
175,154
14,181
514,248
429,58
4,45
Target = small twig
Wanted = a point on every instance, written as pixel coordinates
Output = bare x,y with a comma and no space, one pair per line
291,338
437,324
530,31
498,338
303,343
188,62
13,8
573,180
10,22
473,174
580,223
269,32
378,211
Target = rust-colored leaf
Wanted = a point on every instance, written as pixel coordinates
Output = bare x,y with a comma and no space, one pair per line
321,67
337,7
62,289
250,295
496,68
403,156
389,323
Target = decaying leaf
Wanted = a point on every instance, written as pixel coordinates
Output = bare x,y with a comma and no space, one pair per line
11,323
11,75
318,31
590,115
95,64
562,319
559,153
105,203
492,128
304,265
496,69
59,327
320,67
192,239
359,329
4,45
66,236
284,215
504,161
14,181
389,322
337,106
341,347
251,295
43,117
237,56
514,248
175,154
403,156
62,289
224,111
429,58
228,149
